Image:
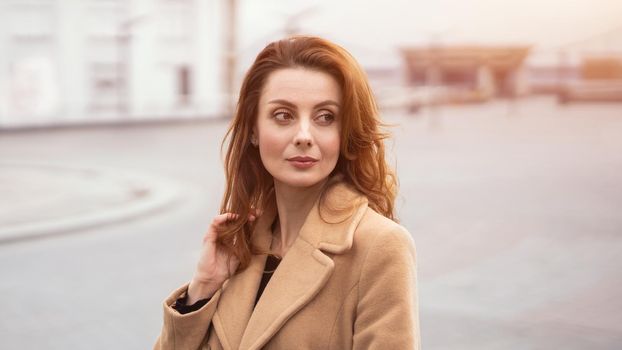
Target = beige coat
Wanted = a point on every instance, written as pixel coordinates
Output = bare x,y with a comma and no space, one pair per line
347,284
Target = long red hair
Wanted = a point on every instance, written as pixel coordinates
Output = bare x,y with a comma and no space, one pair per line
362,162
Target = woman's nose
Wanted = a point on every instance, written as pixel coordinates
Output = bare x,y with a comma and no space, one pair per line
303,137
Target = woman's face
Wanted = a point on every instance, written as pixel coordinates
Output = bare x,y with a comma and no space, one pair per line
298,126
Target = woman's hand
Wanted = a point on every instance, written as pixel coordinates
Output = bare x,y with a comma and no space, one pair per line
215,264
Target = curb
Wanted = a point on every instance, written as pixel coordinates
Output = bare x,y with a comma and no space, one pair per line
153,193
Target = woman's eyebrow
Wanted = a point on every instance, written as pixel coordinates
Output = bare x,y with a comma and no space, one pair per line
291,105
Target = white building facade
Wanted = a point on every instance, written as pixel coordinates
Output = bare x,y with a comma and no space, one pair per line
68,62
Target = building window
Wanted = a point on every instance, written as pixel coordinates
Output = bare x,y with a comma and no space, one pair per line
106,87
184,84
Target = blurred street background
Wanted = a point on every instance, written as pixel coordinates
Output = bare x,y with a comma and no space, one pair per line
507,135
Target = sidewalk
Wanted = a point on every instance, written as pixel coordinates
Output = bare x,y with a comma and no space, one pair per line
41,199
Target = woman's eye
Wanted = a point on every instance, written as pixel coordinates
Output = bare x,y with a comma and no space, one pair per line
282,116
326,118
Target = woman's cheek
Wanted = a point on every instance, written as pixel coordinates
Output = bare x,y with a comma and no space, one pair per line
272,148
331,142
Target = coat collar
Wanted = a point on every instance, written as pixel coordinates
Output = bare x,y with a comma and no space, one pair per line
305,269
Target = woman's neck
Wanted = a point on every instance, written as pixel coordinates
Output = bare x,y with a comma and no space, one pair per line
293,205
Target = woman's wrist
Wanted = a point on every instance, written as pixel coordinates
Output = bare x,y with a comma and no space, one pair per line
198,290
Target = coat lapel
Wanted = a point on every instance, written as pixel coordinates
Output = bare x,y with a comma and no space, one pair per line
238,297
299,277
306,268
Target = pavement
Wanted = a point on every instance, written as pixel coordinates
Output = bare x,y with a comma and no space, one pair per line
45,199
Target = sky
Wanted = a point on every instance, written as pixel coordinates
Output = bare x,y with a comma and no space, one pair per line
373,27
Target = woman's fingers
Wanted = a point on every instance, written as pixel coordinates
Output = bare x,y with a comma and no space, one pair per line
223,218
218,220
255,213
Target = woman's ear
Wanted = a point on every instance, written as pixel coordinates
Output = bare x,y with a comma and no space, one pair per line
254,137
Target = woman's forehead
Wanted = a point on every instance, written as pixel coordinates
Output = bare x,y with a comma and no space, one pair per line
300,86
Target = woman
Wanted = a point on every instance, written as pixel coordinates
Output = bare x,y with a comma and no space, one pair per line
305,254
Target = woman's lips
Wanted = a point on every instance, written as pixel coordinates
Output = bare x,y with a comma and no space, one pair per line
302,162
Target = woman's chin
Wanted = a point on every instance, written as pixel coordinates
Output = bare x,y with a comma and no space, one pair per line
302,180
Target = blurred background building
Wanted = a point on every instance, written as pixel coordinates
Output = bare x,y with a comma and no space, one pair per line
464,74
102,61
93,61
585,69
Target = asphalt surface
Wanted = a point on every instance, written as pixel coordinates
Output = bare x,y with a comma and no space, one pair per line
514,207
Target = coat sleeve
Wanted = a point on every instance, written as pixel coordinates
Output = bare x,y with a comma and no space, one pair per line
387,309
187,331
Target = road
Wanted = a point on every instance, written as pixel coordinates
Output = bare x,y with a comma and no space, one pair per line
514,207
